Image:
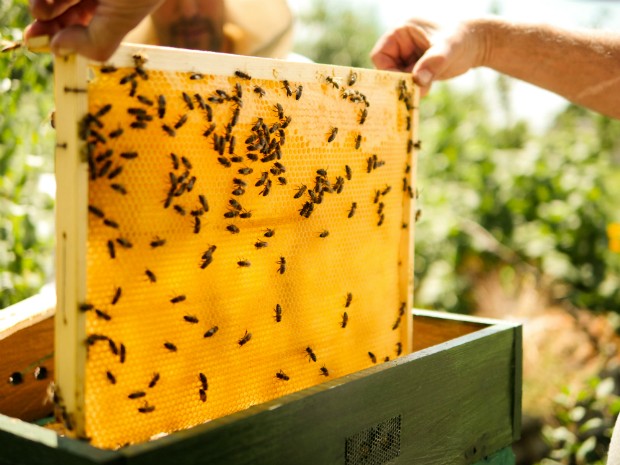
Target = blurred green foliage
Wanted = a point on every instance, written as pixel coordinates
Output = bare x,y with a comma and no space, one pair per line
26,148
335,33
583,423
500,197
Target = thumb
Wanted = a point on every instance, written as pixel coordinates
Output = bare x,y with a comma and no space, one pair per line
431,65
82,40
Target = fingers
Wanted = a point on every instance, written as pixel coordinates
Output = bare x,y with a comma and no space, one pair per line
400,48
46,10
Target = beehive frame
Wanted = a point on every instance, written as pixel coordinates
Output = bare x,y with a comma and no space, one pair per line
385,126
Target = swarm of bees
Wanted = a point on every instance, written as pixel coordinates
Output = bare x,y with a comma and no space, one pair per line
200,208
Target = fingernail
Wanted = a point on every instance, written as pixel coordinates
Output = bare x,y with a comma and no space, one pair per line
63,52
424,77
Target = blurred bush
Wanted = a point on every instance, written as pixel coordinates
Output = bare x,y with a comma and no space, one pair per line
26,164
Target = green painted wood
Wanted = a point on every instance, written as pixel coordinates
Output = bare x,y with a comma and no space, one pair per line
503,457
458,402
23,449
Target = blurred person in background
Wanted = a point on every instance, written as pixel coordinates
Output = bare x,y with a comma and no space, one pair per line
95,28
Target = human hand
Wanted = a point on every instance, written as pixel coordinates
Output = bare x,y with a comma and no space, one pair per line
429,52
93,28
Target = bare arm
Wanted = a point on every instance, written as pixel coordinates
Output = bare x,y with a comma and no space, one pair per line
582,66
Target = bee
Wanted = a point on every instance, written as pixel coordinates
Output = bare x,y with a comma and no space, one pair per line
408,123
402,308
259,91
282,264
111,249
245,171
333,82
324,371
203,381
396,324
191,319
242,75
210,332
224,162
122,353
203,395
161,106
124,243
363,116
233,229
387,190
179,209
260,244
197,224
417,144
399,348
307,209
235,117
105,168
285,122
324,233
245,339
108,69
117,295
418,215
182,120
332,134
110,377
266,188
349,299
170,346
209,130
281,375
298,92
146,408
287,87
145,100
168,130
102,314
188,101
279,110
137,395
300,191
380,208
239,191
195,76
381,219
245,214
345,320
178,298
231,148
85,307
352,78
96,211
116,133
115,172
339,184
311,354
157,242
278,314
373,359
252,156
244,263
154,380
282,180
269,233
257,124
113,347
352,210
129,77
129,155
236,205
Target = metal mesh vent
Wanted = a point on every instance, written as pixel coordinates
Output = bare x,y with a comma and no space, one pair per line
376,445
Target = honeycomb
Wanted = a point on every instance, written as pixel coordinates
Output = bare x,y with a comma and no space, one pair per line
247,237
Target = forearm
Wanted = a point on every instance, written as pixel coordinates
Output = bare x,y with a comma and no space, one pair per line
582,66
